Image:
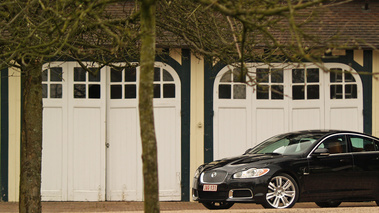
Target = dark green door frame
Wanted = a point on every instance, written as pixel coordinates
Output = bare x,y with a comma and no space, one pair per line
4,136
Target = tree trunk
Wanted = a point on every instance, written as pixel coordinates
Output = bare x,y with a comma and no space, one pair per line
146,91
31,142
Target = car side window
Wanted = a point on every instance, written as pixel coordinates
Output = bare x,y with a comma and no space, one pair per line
362,144
335,144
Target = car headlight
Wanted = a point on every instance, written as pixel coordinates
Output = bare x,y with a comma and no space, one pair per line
251,173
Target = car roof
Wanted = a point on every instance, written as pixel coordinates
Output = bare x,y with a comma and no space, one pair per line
327,132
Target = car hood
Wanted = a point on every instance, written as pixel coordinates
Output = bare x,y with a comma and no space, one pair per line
244,160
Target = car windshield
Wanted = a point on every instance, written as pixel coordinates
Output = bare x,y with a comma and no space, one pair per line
287,144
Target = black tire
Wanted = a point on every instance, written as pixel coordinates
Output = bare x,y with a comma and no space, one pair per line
282,192
328,204
218,205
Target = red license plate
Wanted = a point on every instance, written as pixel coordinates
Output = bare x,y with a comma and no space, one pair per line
210,188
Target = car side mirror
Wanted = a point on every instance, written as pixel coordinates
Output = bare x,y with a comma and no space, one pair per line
321,152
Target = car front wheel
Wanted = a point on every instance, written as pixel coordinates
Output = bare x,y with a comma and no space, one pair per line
328,204
282,192
218,205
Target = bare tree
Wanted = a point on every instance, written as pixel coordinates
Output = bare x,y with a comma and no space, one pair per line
249,30
16,24
35,31
149,144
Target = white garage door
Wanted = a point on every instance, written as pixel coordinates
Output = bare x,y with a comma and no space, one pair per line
91,141
283,98
124,152
73,166
54,153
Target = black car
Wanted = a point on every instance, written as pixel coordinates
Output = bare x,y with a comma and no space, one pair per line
322,166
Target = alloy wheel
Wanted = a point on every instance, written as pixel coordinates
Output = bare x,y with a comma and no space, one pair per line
281,193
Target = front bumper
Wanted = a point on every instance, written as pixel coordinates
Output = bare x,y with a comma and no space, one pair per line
237,195
237,190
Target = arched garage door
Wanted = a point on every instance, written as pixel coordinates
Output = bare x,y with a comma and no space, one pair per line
285,98
91,141
124,167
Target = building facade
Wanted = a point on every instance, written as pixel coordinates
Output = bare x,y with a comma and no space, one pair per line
91,142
